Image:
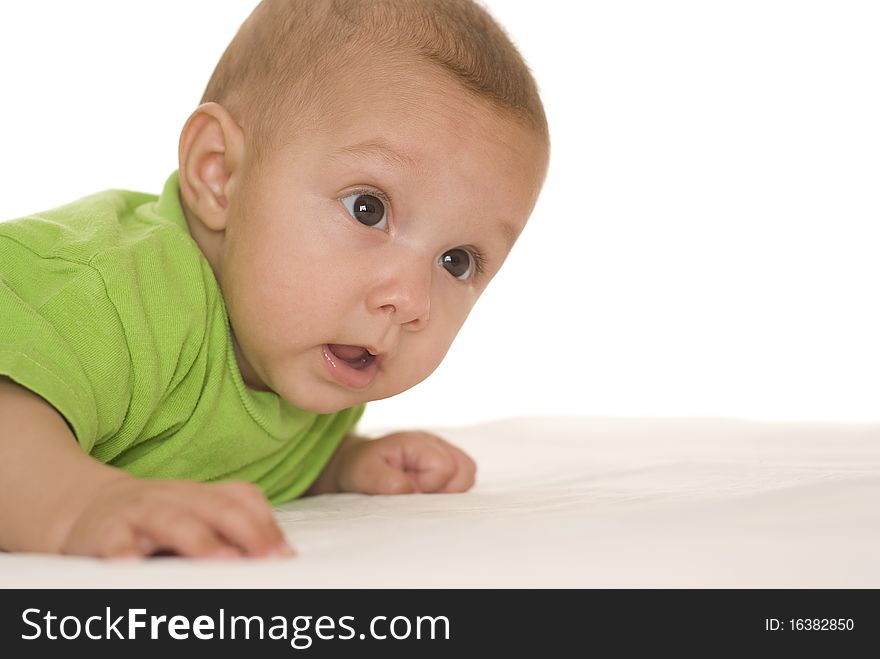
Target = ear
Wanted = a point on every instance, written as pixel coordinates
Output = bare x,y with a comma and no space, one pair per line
211,149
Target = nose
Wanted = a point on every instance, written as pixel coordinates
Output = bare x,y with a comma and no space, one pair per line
404,292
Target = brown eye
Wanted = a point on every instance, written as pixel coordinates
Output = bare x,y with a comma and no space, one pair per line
458,262
367,209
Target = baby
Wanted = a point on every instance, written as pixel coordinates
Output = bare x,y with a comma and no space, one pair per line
355,176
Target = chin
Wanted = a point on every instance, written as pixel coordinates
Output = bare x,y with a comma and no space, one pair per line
315,406
318,404
326,399
324,409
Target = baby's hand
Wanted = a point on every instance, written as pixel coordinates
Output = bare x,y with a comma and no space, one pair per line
131,517
403,463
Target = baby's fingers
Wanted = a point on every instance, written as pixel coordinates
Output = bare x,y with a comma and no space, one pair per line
431,465
439,466
117,540
376,476
465,472
179,531
240,513
131,517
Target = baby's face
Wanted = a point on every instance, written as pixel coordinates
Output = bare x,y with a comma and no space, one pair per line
354,255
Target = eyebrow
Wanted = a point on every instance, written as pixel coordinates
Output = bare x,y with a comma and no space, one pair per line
380,148
376,148
510,233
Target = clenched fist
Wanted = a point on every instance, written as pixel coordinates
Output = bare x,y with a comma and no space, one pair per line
400,463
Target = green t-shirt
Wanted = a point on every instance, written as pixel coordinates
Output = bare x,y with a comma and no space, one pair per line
109,311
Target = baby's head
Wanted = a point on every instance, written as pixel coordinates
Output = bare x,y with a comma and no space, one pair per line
356,175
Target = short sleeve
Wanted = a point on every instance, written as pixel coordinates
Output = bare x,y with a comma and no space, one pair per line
61,338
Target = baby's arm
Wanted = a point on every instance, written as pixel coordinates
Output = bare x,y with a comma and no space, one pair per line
55,498
400,463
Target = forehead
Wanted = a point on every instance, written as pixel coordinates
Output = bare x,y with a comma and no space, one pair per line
422,98
428,127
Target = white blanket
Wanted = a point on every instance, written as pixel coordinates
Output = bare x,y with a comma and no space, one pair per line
590,502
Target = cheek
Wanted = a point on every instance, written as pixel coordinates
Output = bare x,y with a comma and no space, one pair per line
435,343
280,252
299,289
268,285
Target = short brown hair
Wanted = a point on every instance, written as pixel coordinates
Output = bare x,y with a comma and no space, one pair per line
280,60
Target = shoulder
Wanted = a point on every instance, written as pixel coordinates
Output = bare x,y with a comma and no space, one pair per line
76,231
161,285
131,249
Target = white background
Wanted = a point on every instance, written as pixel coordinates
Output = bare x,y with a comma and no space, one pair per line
706,243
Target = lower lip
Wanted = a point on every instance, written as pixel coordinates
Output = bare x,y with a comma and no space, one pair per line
347,375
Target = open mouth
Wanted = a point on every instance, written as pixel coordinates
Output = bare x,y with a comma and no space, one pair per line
355,356
354,367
